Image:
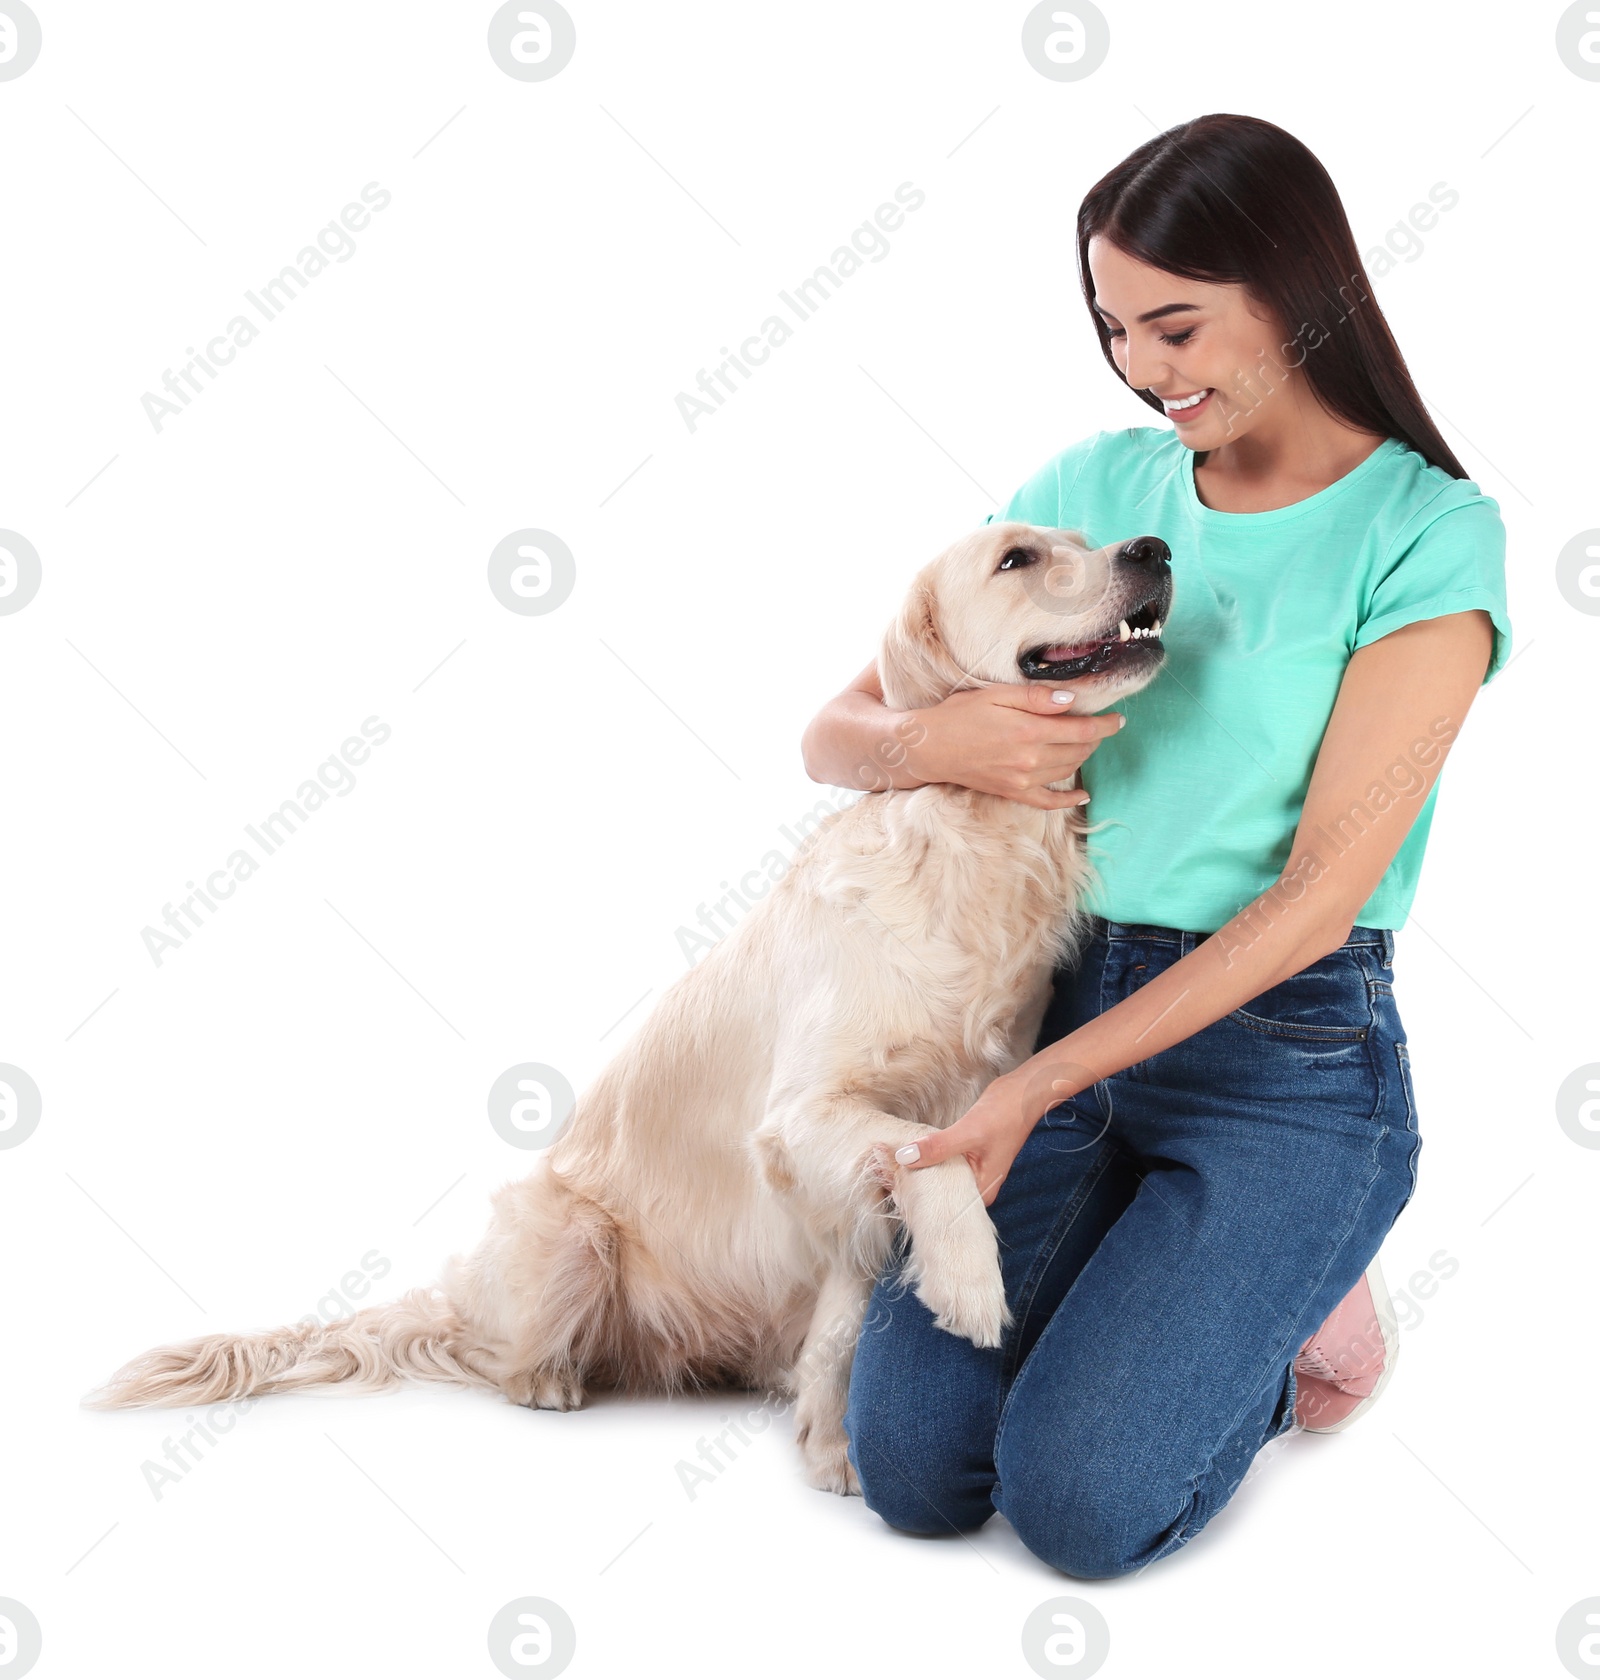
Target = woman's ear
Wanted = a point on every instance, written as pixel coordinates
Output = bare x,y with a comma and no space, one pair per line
915,668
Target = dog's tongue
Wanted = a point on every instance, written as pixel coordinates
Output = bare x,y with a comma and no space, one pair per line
1060,655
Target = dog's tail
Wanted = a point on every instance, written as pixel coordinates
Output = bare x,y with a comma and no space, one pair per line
417,1338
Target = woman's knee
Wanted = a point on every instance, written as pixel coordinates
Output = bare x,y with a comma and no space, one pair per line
917,1503
917,1474
1092,1515
920,1422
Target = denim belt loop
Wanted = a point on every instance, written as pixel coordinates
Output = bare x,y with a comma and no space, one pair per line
1388,947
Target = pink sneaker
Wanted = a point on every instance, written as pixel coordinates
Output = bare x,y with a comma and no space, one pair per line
1342,1368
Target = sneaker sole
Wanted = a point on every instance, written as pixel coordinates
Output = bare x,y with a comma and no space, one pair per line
1389,1329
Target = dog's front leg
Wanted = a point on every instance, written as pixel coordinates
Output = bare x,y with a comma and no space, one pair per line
835,1155
822,1381
954,1264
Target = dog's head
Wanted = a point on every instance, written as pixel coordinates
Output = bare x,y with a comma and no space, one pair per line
1017,602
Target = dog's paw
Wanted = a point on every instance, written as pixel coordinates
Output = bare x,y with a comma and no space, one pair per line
828,1466
966,1302
554,1390
824,1445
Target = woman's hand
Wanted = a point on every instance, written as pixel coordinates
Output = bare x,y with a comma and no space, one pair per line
1010,739
992,1132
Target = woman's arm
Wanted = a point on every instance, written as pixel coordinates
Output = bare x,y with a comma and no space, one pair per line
1403,698
1009,739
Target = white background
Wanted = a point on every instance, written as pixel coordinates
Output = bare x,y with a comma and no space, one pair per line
225,600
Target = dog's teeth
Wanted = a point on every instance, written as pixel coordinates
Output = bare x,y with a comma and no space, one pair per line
1155,629
1123,632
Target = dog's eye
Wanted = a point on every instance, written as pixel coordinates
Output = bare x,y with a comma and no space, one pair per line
1013,559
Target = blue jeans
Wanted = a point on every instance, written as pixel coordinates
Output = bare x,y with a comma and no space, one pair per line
1169,1238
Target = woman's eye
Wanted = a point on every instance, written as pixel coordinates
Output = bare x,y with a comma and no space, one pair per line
1166,338
1014,558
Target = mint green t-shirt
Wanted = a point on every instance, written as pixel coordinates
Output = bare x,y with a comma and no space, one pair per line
1197,800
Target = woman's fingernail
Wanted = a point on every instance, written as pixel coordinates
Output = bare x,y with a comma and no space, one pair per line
1061,697
1122,723
908,1152
1084,800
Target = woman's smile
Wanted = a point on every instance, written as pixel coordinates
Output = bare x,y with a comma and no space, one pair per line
1184,409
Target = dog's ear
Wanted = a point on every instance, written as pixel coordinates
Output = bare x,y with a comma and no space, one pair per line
915,668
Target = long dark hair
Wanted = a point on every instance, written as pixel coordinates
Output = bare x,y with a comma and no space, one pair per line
1235,200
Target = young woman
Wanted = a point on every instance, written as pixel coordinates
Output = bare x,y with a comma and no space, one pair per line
1193,1173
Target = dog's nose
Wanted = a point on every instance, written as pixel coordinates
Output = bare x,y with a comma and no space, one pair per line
1147,551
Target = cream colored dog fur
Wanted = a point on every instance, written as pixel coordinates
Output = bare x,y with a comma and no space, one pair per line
722,1199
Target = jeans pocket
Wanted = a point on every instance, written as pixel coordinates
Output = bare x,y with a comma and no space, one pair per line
1325,1002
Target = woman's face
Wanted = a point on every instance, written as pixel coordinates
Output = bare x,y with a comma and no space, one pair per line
1186,338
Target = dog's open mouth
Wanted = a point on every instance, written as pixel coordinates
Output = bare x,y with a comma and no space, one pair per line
1137,636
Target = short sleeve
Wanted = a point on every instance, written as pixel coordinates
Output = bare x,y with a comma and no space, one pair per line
1454,562
1046,497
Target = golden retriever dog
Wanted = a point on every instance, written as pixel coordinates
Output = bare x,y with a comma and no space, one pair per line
723,1197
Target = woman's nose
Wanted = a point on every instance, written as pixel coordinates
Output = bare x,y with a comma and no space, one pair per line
1133,369
1140,373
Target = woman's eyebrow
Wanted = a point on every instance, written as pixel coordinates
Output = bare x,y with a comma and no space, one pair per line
1153,314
